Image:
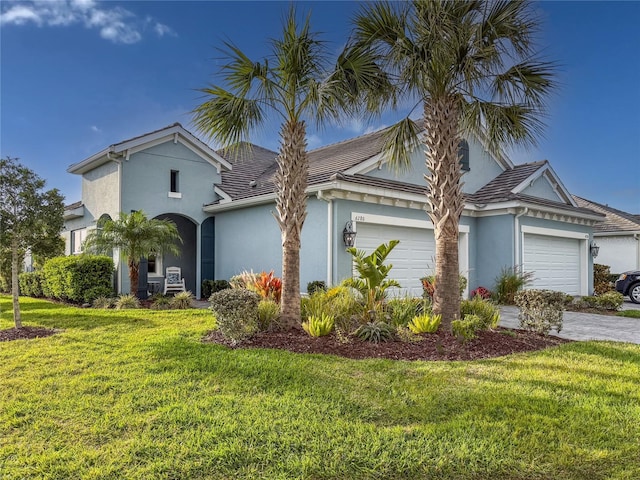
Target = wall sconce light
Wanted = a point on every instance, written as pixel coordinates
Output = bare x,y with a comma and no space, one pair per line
594,249
349,235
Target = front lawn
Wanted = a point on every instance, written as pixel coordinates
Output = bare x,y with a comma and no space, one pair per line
135,394
629,313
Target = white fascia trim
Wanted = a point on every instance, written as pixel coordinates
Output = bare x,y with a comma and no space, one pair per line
93,161
552,232
628,233
77,212
397,221
367,165
234,204
478,212
530,179
554,181
221,193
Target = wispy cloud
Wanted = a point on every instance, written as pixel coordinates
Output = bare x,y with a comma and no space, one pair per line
95,129
115,24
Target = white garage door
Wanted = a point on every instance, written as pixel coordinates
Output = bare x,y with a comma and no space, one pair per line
555,262
412,258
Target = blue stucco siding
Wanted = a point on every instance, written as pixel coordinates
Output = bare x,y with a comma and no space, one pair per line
482,169
146,181
493,249
542,188
249,239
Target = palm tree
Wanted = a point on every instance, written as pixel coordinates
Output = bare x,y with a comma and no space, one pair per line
136,236
295,83
472,67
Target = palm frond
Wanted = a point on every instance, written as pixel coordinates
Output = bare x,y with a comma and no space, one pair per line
400,141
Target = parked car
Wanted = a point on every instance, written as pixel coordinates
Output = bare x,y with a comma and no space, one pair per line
629,284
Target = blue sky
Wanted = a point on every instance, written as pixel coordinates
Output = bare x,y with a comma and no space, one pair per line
77,76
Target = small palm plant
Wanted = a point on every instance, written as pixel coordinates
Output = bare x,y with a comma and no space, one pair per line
372,282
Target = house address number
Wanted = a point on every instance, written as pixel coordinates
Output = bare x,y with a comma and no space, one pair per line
359,218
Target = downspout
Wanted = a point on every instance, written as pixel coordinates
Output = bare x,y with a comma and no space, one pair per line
329,201
516,236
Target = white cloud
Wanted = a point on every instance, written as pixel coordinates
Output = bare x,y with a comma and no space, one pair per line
95,129
115,24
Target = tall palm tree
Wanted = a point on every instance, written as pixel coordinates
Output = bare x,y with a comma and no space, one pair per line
472,67
136,236
295,83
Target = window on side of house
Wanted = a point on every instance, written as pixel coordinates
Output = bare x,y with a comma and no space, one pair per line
77,239
175,185
463,153
153,265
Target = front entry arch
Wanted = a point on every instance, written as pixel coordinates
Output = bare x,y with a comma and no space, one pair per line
187,229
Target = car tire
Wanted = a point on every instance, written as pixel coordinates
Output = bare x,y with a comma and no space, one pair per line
634,292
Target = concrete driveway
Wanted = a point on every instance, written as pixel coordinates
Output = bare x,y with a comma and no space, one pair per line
587,326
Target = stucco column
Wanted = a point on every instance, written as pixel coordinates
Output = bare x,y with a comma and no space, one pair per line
198,259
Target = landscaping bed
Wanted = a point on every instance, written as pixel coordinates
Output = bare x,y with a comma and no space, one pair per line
26,333
435,346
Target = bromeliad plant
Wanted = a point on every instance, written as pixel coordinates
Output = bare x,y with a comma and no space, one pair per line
372,282
268,286
319,326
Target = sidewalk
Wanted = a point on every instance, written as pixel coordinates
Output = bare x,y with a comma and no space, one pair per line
586,326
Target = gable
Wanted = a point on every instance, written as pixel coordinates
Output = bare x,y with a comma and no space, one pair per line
483,167
542,188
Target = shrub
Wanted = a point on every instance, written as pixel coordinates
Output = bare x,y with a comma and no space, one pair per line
400,311
610,300
70,278
212,286
487,312
313,287
509,282
338,302
481,292
31,284
236,312
103,302
268,313
425,323
589,301
540,310
244,279
466,329
124,302
429,285
407,336
160,302
181,300
91,294
268,286
601,279
319,326
374,332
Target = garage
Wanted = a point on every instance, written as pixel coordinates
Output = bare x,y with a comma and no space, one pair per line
555,261
412,258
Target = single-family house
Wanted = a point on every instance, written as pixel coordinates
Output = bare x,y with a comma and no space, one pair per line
224,204
618,237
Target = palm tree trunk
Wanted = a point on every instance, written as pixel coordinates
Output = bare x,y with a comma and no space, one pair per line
291,205
134,274
441,118
17,317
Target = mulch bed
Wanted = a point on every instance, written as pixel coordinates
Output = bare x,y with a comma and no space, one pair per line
26,333
438,346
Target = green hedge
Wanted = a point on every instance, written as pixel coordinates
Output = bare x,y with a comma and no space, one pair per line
78,278
31,284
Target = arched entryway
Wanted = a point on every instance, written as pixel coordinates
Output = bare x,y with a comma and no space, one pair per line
187,260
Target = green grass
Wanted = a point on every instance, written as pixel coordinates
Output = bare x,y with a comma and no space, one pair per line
629,313
135,395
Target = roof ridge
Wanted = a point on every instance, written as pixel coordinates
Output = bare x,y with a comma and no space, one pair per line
348,140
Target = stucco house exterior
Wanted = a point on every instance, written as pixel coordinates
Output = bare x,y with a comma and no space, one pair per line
224,206
618,237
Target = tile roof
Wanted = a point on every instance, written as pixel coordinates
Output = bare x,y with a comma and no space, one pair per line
254,168
73,206
615,220
252,164
500,188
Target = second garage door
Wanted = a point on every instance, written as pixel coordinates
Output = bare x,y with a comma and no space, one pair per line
555,262
412,258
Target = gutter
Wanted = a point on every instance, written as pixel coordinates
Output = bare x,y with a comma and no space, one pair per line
516,236
329,200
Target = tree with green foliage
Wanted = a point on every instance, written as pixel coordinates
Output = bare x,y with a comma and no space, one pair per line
136,236
472,67
295,83
30,218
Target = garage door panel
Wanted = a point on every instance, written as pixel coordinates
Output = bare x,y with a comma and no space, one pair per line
555,262
412,258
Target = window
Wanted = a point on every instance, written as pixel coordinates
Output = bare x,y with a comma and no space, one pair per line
152,264
463,153
77,239
175,186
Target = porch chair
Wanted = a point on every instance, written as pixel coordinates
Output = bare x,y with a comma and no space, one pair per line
174,282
